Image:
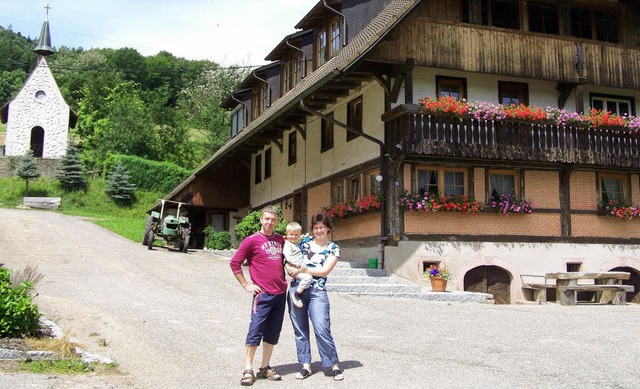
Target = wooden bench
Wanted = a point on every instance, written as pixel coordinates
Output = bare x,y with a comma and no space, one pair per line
535,287
607,285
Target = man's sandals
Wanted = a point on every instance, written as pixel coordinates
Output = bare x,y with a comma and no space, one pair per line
247,378
268,373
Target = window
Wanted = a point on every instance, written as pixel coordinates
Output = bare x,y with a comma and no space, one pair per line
450,86
291,71
293,147
354,118
267,163
606,25
589,23
298,63
326,134
612,188
255,102
334,27
502,13
619,105
503,182
515,93
372,184
441,181
354,188
337,192
287,76
258,169
237,120
321,47
543,17
264,97
574,266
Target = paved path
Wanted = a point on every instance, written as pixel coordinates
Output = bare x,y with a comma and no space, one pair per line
174,320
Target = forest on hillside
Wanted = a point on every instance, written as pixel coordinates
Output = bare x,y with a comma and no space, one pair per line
159,107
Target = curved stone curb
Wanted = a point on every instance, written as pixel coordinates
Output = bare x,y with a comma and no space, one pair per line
34,355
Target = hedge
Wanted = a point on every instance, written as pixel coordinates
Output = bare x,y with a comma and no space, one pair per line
146,174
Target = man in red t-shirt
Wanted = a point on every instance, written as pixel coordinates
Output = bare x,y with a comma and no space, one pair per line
263,252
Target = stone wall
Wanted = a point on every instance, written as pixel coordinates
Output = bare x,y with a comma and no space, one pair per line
46,167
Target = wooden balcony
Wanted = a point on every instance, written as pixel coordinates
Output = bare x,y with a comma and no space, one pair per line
415,131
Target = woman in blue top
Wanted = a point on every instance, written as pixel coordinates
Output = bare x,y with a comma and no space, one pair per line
321,257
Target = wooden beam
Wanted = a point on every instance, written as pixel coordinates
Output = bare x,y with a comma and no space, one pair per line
301,131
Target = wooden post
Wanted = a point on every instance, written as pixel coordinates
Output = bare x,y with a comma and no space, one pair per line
565,201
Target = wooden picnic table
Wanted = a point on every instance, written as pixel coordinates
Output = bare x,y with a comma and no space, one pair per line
607,285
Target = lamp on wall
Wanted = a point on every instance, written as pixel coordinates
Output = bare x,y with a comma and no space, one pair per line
286,204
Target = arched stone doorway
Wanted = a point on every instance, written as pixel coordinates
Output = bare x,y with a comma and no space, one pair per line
37,141
489,279
634,280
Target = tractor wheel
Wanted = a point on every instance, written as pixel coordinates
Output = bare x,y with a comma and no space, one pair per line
147,227
185,241
150,238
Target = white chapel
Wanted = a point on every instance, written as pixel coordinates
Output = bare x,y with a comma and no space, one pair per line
38,118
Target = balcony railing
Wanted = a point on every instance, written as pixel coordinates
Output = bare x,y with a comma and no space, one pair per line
415,131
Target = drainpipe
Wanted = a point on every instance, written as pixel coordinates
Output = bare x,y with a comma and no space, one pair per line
343,29
268,87
304,58
383,170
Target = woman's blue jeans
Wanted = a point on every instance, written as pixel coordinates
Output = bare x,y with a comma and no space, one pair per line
316,309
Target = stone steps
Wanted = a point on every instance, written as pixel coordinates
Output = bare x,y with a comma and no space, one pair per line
355,278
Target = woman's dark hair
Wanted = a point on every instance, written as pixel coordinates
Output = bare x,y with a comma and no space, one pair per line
321,218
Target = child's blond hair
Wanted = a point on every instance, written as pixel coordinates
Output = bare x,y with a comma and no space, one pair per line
294,227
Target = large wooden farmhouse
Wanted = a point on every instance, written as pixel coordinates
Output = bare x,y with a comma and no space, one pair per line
334,119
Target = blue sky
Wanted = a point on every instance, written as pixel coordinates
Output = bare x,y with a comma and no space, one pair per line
225,31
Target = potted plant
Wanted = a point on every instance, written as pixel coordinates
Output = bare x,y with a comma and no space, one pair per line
438,275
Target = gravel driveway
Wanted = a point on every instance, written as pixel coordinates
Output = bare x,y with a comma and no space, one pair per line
174,320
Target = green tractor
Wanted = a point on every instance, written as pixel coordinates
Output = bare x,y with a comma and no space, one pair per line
169,224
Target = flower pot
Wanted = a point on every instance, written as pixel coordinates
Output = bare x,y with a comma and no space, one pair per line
438,284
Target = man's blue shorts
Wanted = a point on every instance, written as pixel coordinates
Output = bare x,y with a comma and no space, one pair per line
267,314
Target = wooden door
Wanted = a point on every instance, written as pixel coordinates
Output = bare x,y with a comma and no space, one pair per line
634,280
489,279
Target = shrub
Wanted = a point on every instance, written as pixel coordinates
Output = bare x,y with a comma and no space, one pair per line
28,170
71,175
251,224
18,315
118,186
146,174
217,240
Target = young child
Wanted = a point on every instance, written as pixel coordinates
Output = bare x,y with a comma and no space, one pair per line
293,256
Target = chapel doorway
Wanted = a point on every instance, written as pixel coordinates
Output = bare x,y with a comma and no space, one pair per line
489,279
37,141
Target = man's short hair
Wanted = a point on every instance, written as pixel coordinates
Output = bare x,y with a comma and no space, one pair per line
270,209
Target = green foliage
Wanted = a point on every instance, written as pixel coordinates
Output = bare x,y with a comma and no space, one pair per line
10,83
59,366
27,170
18,316
16,51
151,175
158,107
251,224
217,240
118,186
71,176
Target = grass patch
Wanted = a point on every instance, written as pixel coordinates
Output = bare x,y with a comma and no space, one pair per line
127,221
64,366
